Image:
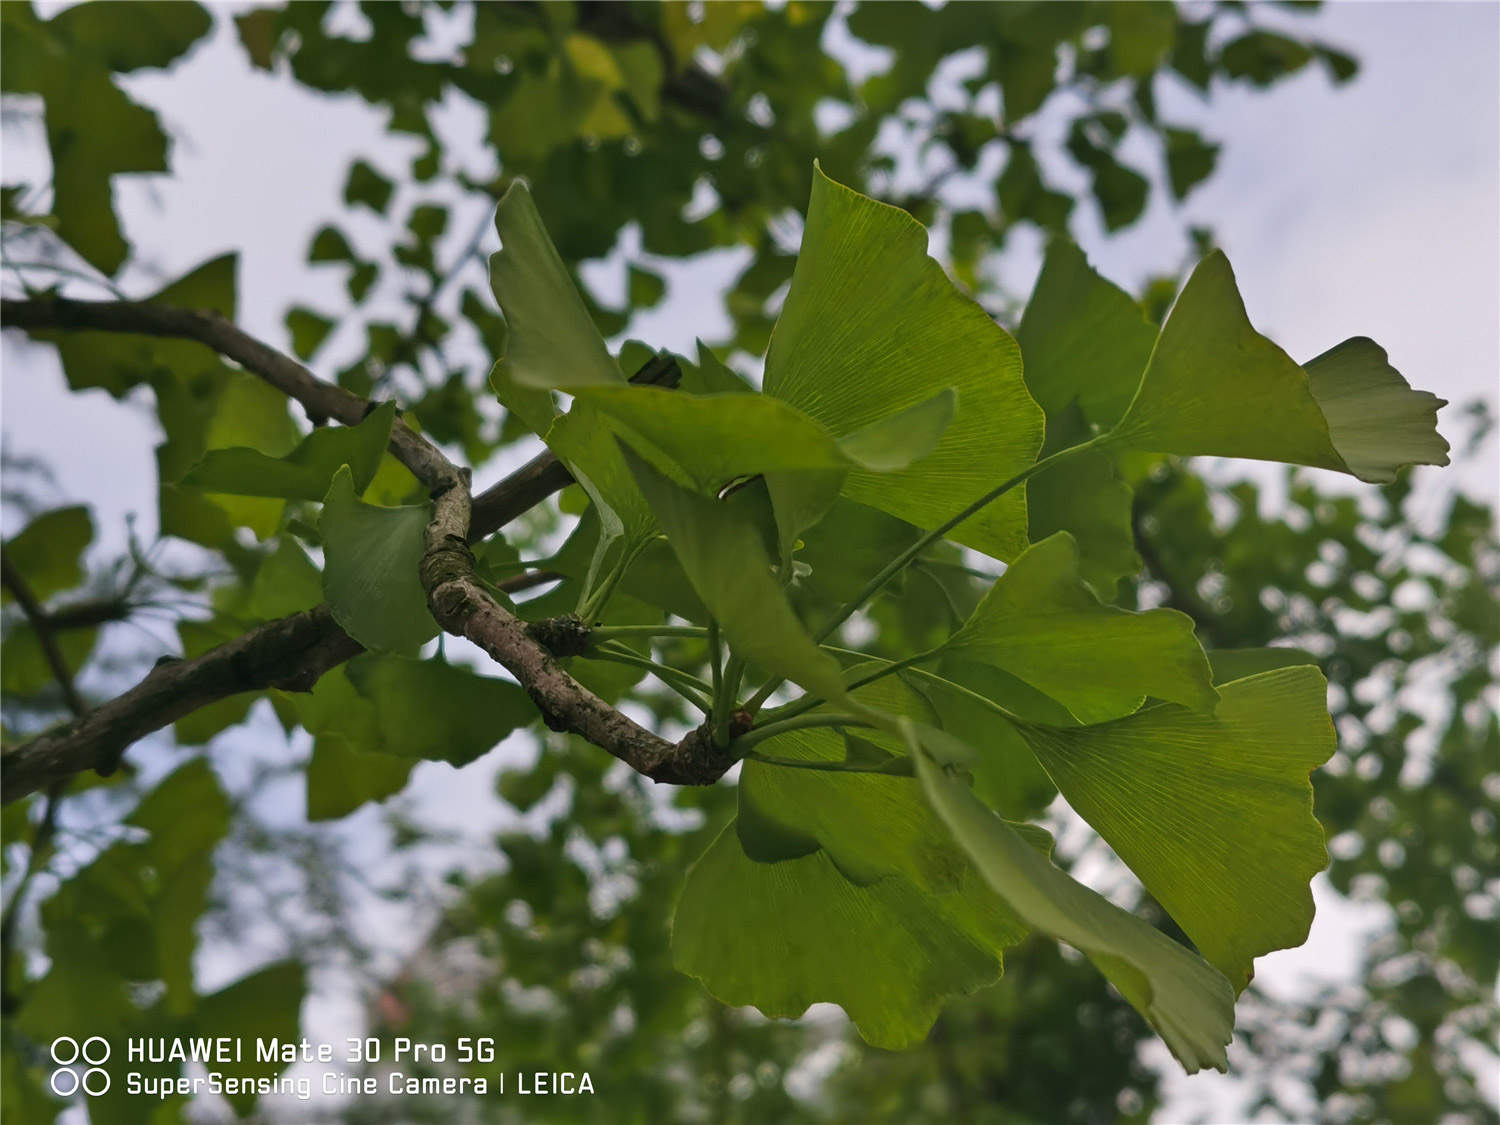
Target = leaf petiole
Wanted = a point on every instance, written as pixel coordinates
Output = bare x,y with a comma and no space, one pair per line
782,726
724,699
822,767
808,702
615,632
690,687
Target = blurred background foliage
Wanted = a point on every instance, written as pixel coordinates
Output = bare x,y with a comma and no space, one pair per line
655,135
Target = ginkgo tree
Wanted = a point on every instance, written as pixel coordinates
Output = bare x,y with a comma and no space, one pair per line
885,853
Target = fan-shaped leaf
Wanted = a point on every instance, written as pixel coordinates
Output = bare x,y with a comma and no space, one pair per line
1041,623
1213,812
370,578
1184,998
1216,386
872,325
783,936
305,472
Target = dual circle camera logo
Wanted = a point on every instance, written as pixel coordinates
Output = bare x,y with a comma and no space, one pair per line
66,1051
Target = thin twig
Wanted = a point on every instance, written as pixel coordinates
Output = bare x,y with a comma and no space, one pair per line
406,351
41,626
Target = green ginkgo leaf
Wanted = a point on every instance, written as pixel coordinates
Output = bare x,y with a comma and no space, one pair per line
783,936
1085,340
1085,343
286,582
1086,496
1237,663
712,440
1041,623
371,557
585,439
872,326
551,339
903,438
1213,812
551,342
1215,386
1377,421
305,472
724,557
436,710
341,778
48,551
835,810
1181,995
263,1007
976,703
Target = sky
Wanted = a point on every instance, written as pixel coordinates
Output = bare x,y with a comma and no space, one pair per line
1368,209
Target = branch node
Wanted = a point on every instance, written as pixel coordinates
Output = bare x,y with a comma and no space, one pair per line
693,761
567,635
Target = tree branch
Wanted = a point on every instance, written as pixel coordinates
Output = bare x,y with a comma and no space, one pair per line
320,399
522,490
462,606
290,653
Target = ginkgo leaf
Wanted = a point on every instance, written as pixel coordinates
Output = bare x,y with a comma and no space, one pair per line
286,582
835,810
1086,497
1212,812
119,361
1182,996
871,325
370,561
1085,341
1378,423
711,375
1215,386
714,439
341,778
1041,623
1237,663
903,438
384,704
584,438
48,551
551,342
783,936
710,440
725,559
436,710
551,339
305,472
263,1007
976,703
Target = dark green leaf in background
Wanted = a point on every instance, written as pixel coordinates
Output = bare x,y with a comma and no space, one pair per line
370,579
48,551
